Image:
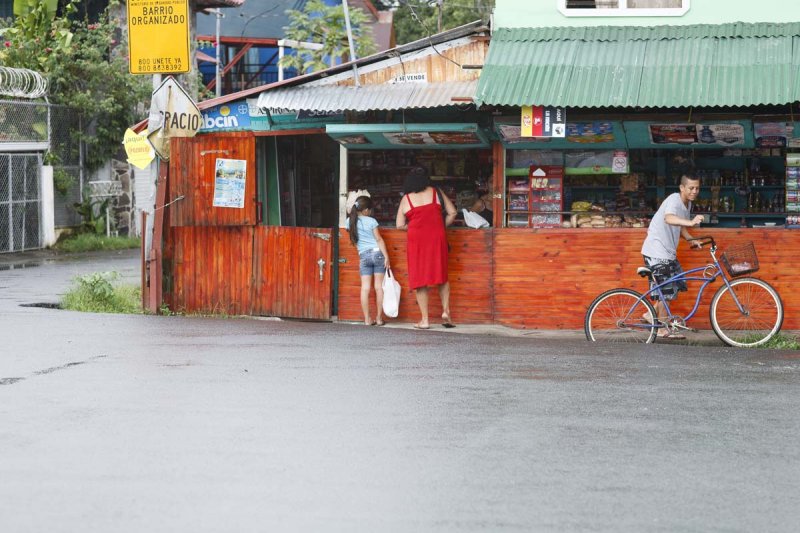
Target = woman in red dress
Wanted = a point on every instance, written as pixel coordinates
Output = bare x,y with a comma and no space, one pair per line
420,213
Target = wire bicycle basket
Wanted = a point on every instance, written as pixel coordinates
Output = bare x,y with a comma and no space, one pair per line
740,259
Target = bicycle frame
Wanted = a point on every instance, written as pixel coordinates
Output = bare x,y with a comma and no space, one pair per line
686,276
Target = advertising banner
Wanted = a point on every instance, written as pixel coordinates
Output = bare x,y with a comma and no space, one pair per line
539,121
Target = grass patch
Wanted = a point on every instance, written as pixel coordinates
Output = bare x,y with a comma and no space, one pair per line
782,342
90,242
97,293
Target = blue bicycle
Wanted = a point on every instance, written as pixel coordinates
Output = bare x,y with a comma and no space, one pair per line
744,312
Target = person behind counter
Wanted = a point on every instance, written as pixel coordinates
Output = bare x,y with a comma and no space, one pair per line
420,213
476,209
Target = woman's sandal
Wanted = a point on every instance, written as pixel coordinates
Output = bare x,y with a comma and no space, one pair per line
417,326
672,336
379,323
446,323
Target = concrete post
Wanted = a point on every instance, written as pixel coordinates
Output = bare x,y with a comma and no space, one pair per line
48,220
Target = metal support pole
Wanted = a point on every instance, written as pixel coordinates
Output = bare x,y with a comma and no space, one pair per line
280,61
343,185
217,76
353,57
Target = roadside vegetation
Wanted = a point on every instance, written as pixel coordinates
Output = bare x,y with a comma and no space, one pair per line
782,341
99,293
90,242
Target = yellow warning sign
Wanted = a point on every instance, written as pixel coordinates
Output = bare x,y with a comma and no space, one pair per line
158,36
140,151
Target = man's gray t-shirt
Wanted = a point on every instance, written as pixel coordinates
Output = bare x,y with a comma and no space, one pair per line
662,238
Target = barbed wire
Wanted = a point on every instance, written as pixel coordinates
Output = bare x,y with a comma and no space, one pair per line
22,83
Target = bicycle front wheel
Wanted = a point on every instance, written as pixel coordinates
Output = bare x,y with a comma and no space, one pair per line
620,315
757,321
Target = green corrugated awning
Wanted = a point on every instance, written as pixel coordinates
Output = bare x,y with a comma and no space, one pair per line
665,66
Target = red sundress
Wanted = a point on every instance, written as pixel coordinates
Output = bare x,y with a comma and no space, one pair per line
427,244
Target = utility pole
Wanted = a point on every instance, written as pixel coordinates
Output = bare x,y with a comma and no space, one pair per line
350,42
440,5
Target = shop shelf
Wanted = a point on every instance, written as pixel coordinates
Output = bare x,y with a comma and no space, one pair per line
746,215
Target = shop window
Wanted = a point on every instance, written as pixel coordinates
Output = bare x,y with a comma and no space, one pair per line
623,8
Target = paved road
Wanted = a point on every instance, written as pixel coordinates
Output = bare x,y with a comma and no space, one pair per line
140,423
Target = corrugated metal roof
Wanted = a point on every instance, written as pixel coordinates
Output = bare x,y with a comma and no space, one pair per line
367,98
727,65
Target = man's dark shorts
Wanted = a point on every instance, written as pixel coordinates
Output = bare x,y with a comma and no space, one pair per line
663,269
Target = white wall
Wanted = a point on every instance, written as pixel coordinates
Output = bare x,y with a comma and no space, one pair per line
544,13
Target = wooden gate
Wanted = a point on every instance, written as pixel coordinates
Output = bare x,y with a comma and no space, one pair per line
292,272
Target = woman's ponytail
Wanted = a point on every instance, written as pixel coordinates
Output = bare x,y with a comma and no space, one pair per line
354,223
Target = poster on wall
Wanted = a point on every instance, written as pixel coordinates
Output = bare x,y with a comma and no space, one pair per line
434,138
229,182
353,139
722,134
513,134
619,162
699,134
409,138
590,132
673,133
772,134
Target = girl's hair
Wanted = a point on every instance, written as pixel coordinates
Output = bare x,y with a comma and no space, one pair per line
362,204
417,180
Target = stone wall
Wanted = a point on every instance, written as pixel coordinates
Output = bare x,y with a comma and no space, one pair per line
123,209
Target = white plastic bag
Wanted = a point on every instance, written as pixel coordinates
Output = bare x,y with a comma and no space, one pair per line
391,295
474,220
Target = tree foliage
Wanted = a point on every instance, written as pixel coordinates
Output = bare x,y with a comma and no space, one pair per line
325,25
85,70
409,13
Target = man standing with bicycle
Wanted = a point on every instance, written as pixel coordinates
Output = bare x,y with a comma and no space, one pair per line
660,247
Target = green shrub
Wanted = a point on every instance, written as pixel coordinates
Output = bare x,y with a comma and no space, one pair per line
90,242
97,293
782,342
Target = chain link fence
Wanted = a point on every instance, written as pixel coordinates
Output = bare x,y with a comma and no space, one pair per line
66,156
32,134
20,202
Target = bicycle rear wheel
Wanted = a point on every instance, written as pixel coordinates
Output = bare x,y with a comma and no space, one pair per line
762,317
620,316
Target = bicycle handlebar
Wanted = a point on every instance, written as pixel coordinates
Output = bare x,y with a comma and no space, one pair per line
706,239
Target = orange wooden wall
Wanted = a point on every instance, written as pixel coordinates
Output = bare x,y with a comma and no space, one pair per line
470,278
191,170
209,269
545,279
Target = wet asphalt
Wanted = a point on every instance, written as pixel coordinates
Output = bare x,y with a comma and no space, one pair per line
143,423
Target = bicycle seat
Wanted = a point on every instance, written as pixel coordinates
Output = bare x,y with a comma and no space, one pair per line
645,272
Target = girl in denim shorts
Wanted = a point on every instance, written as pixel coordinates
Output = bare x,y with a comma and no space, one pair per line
373,258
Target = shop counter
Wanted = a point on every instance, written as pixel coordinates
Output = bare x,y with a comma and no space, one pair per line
546,278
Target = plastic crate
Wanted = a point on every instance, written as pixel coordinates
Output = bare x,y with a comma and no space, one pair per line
740,259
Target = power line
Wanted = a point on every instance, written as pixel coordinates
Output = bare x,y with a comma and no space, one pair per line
428,32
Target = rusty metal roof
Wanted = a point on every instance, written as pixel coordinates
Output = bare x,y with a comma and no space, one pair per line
370,97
